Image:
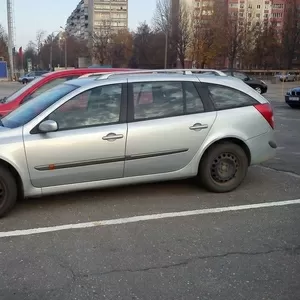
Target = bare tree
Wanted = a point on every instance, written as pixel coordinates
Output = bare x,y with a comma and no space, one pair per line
182,36
162,20
40,36
3,44
234,37
291,33
207,41
101,39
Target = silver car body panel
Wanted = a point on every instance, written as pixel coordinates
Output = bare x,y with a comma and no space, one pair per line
149,150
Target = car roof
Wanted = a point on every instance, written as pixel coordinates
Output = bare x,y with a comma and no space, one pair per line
81,81
229,81
81,71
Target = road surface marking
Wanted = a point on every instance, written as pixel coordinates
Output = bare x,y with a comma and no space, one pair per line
147,218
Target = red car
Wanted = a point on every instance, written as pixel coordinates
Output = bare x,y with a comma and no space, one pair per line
42,84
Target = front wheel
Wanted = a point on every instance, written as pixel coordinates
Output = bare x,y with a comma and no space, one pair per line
8,191
25,81
223,167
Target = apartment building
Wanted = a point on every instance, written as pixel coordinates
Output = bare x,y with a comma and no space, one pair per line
108,13
78,22
96,15
260,10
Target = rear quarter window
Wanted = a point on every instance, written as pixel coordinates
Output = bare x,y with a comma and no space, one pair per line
224,97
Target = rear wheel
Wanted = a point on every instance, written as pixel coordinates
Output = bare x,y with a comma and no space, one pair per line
258,89
24,81
223,167
8,191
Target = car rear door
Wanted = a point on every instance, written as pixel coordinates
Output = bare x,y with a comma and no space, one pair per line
168,122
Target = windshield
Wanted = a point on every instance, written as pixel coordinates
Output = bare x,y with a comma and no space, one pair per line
29,110
22,90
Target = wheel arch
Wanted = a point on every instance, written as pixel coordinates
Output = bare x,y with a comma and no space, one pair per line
232,140
15,173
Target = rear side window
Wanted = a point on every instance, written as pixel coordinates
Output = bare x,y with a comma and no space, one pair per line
157,100
165,99
194,103
225,97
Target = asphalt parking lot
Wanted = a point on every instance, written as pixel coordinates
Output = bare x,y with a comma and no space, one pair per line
163,241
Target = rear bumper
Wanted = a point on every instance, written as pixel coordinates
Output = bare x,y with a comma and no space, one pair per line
262,147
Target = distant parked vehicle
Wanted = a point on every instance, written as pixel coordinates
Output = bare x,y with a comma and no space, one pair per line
286,77
30,76
259,85
292,97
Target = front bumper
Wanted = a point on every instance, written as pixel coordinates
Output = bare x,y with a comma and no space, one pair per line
290,99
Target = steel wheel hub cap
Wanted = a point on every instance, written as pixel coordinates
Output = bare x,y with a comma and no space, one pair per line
224,167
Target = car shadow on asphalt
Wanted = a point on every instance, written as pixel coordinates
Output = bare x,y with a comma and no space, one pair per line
260,185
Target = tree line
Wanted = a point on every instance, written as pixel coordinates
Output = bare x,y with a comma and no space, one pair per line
178,36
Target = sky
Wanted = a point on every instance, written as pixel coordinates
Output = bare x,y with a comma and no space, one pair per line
48,15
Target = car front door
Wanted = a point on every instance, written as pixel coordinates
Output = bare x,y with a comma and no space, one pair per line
89,144
169,122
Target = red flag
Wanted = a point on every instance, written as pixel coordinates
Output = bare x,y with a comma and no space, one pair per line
21,52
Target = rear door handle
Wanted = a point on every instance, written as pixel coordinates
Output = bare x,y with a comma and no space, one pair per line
112,137
199,126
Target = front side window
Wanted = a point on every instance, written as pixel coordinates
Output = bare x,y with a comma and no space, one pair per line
31,109
95,107
225,97
157,100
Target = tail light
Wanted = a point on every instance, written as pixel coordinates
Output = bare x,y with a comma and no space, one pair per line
267,112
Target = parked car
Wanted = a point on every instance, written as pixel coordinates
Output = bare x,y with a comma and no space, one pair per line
292,97
42,84
284,77
132,129
30,76
259,85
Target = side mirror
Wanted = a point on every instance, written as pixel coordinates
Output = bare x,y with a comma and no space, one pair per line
247,79
48,126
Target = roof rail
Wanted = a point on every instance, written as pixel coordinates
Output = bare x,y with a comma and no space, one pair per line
106,75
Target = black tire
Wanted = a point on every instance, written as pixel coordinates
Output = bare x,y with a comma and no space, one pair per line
8,191
25,81
209,169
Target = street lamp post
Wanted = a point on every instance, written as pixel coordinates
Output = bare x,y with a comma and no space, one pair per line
51,50
66,48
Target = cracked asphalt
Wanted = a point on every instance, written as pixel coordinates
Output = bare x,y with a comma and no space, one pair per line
251,254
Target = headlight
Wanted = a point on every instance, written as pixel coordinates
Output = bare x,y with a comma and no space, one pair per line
288,92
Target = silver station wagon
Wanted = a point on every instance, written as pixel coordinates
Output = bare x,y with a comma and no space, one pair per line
134,128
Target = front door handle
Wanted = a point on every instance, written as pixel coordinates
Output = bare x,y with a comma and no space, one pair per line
199,126
112,137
